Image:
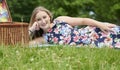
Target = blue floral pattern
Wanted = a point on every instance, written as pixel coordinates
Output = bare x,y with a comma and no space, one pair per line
63,33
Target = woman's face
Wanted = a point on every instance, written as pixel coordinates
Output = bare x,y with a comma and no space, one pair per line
43,19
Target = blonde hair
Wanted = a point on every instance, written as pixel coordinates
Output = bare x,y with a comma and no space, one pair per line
36,10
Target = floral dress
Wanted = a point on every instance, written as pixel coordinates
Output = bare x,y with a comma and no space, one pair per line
63,33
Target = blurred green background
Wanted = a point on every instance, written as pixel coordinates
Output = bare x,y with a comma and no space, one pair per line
101,10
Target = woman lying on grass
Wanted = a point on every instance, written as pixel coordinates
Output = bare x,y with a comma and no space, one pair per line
43,29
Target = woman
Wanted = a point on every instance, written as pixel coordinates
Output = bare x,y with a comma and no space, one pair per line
62,30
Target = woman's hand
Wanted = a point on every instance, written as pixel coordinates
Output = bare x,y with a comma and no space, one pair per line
106,27
34,27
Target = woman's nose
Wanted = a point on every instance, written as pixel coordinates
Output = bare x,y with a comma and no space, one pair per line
43,20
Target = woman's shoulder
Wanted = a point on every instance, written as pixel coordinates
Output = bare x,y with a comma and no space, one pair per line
59,19
62,18
56,21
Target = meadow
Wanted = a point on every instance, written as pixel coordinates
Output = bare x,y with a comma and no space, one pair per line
19,57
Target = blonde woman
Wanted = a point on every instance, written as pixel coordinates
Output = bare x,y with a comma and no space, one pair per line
61,30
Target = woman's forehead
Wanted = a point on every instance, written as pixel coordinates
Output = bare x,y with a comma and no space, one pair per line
41,14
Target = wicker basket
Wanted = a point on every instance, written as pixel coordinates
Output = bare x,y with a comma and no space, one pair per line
13,33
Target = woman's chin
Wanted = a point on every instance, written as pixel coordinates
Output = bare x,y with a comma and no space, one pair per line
44,27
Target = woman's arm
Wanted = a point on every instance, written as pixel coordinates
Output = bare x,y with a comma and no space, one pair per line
34,27
74,21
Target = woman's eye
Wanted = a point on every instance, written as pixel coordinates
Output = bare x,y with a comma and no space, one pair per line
38,19
44,17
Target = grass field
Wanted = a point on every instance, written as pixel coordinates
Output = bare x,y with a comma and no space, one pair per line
58,58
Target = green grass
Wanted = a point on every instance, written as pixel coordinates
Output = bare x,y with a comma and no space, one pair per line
58,58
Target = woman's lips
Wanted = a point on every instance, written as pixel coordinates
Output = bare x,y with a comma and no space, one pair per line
43,25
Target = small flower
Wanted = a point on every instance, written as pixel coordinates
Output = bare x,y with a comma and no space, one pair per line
32,59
